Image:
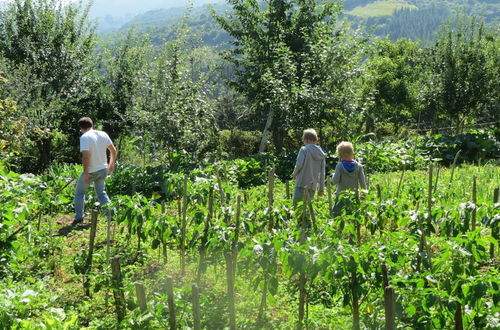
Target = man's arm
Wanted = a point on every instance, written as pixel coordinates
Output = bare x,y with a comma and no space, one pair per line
112,158
86,162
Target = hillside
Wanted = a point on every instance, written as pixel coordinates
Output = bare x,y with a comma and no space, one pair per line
380,8
412,19
415,19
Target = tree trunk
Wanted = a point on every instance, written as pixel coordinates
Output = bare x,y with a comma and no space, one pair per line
278,138
370,122
267,131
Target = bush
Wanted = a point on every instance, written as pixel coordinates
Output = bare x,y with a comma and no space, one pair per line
238,143
476,146
384,156
389,156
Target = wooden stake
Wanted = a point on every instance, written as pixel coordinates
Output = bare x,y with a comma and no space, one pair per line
202,267
139,234
163,224
141,296
88,263
305,217
236,233
221,190
270,197
330,200
183,226
429,197
270,194
230,290
437,179
355,298
454,166
287,190
171,304
474,201
385,276
116,282
401,180
263,299
390,317
108,235
302,296
494,229
196,307
459,324
39,221
379,193
313,215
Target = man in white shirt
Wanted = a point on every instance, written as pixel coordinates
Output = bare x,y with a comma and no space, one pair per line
93,146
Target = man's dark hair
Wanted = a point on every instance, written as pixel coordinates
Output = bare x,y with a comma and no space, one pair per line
85,123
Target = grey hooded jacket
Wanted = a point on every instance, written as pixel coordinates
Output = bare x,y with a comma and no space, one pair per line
310,168
349,180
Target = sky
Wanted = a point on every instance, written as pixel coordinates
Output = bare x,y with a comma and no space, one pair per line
124,8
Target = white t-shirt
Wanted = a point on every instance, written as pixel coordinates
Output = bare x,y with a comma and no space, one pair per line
96,142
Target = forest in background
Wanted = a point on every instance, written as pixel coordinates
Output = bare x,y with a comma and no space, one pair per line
417,20
290,65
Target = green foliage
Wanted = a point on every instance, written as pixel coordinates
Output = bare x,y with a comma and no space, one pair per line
238,143
460,80
12,127
163,25
158,98
292,61
270,262
31,307
389,85
475,146
47,51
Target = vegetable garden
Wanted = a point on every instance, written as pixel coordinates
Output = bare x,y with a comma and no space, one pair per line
419,250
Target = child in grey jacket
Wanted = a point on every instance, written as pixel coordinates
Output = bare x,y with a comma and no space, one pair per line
309,171
348,175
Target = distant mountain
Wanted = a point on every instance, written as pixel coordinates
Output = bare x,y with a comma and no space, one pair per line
131,8
111,15
415,19
163,24
395,19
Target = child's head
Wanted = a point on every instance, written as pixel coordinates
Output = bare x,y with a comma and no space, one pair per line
345,150
310,136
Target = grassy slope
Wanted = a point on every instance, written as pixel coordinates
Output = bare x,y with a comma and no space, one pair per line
380,8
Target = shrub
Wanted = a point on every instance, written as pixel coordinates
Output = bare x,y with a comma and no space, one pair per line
478,145
238,143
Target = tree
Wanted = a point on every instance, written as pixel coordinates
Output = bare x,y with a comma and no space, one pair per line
12,127
463,79
292,59
391,72
47,51
125,74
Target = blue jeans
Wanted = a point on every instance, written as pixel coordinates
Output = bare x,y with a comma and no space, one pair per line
98,178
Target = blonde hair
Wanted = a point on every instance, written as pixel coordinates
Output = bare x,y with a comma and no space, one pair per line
310,135
345,150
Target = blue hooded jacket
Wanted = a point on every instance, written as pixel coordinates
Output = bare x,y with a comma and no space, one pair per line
349,165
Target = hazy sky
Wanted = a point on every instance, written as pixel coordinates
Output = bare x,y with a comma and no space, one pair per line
120,8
